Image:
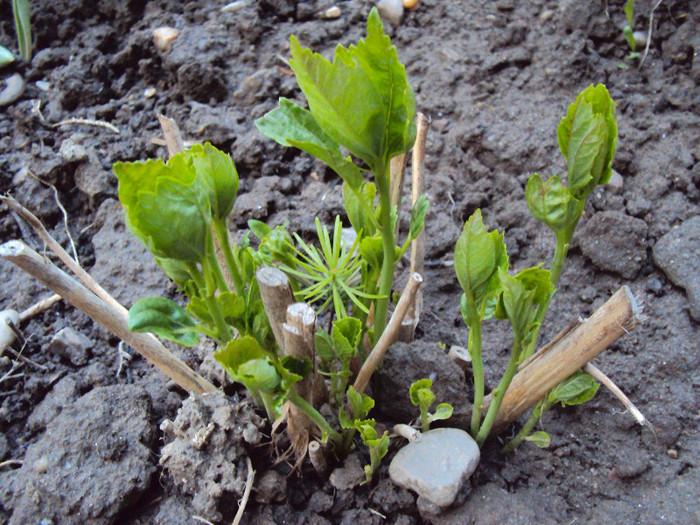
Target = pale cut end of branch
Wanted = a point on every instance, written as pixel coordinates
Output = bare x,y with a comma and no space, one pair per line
276,294
460,355
407,432
317,456
390,333
173,137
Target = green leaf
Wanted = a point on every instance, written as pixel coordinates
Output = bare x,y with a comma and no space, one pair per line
175,270
298,366
165,207
23,27
378,121
629,36
259,228
479,256
246,362
551,203
442,411
6,57
324,345
587,138
417,387
521,294
219,175
361,404
541,439
346,335
359,205
629,12
165,318
292,125
420,209
575,390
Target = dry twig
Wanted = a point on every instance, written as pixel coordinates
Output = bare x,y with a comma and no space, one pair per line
246,494
99,123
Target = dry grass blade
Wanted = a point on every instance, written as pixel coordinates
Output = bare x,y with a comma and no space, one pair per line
246,494
90,122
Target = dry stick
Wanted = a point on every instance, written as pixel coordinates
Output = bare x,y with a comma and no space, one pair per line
55,247
39,307
276,294
246,493
651,24
171,132
88,121
408,327
317,455
407,432
571,326
611,321
105,314
389,336
298,333
608,383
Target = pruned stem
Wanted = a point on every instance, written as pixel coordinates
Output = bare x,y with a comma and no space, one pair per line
105,314
276,294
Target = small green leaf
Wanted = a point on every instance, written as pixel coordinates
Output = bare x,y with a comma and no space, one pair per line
521,294
541,439
629,12
165,318
6,57
246,362
23,27
359,205
259,228
420,209
232,306
416,387
175,270
551,203
292,125
361,404
324,345
479,256
346,335
378,121
629,36
442,411
218,173
301,367
575,390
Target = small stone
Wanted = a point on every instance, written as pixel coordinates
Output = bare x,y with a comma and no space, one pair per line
330,13
615,183
615,242
41,465
233,7
349,475
149,92
14,87
43,85
391,10
71,345
271,487
163,36
436,466
678,254
640,38
672,453
427,508
72,150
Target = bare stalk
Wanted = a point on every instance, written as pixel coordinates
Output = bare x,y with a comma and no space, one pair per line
103,313
39,307
276,294
389,335
604,380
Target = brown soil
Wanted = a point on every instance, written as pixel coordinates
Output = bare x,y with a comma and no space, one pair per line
495,77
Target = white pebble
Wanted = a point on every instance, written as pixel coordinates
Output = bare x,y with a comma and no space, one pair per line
163,36
149,92
7,335
331,12
391,10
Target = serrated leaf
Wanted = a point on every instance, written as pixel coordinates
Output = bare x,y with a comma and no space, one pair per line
540,438
418,213
551,202
218,174
164,318
575,390
378,121
346,335
478,258
292,125
415,389
361,404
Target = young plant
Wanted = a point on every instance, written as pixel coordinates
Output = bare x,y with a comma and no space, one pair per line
587,137
378,446
423,397
576,390
23,28
375,124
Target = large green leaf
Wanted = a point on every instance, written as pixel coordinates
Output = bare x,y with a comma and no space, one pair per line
218,174
478,258
551,202
587,138
362,99
165,318
292,125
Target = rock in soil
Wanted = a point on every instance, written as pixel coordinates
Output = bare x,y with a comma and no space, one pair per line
615,242
350,475
71,345
678,254
207,458
94,460
405,363
437,465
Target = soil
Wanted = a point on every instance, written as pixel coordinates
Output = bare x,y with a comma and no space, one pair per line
494,77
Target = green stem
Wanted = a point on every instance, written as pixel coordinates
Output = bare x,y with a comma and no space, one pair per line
222,234
477,372
269,405
315,416
386,277
527,427
206,284
500,391
424,421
